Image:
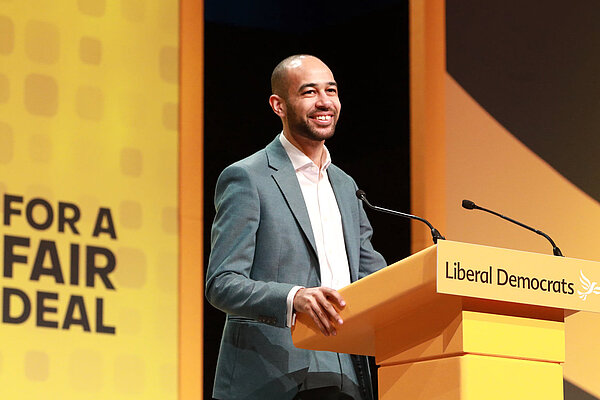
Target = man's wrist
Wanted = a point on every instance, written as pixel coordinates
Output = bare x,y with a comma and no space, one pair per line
291,315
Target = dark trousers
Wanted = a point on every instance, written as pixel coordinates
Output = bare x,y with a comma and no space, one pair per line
325,393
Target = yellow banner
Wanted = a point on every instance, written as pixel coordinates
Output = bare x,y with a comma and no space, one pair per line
89,194
517,276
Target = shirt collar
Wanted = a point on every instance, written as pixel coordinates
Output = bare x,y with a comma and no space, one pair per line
298,158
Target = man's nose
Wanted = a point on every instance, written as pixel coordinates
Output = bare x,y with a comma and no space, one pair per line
324,100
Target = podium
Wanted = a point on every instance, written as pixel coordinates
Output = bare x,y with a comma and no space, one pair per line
463,321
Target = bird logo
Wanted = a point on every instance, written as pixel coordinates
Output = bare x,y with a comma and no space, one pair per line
587,286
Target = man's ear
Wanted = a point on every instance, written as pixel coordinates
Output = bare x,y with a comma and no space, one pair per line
278,105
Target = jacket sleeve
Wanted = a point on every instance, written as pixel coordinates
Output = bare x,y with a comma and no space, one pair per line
229,286
370,260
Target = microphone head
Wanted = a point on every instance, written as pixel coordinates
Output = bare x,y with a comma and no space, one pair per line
468,204
360,194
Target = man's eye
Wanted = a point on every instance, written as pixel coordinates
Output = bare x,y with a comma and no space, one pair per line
332,90
311,91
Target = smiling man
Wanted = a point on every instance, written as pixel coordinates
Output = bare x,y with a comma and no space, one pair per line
288,232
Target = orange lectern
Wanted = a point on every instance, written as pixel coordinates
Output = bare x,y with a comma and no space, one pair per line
463,321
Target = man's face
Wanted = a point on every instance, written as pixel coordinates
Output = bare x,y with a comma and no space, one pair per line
312,104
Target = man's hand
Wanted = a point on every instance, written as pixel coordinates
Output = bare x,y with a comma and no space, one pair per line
318,303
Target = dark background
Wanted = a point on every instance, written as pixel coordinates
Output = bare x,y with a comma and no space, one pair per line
534,66
366,47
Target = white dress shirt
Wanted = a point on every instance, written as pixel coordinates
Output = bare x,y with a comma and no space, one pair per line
325,219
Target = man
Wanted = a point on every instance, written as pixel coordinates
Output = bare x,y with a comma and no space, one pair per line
288,232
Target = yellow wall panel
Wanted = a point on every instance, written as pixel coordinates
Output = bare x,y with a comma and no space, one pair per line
88,123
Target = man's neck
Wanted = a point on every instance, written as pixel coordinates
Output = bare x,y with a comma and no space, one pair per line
311,148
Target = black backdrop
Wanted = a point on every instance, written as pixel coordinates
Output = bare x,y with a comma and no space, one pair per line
366,47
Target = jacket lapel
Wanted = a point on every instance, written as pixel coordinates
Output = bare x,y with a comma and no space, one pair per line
285,178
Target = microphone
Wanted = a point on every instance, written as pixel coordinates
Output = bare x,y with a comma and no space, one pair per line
469,205
435,234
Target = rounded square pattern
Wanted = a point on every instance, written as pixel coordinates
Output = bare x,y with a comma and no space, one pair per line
41,95
131,162
7,35
170,116
169,64
130,214
132,269
170,223
133,10
90,50
42,42
37,366
94,8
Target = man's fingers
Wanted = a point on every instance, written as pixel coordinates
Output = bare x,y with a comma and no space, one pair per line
324,299
319,303
321,315
321,321
318,323
333,314
335,295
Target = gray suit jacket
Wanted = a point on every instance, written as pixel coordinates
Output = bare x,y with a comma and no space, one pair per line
262,245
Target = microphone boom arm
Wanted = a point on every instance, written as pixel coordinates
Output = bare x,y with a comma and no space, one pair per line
468,204
435,234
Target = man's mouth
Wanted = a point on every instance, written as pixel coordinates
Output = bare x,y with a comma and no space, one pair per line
323,118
